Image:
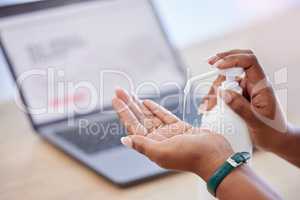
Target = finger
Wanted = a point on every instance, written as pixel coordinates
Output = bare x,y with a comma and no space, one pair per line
239,105
212,60
254,72
128,118
151,122
122,94
242,82
174,129
163,114
234,51
243,85
203,107
144,145
143,114
125,97
211,99
247,61
207,104
144,109
237,60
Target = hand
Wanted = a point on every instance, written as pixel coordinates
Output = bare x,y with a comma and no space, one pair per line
258,105
168,141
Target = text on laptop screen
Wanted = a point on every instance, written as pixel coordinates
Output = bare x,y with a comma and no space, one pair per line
70,59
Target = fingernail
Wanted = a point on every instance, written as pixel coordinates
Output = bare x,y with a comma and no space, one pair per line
126,141
226,96
203,107
210,58
218,62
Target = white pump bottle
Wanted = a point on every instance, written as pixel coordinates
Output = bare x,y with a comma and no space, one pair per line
221,119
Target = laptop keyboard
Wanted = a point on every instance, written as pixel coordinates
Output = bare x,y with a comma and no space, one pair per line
99,136
95,137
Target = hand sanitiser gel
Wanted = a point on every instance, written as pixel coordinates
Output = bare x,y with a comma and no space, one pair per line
222,119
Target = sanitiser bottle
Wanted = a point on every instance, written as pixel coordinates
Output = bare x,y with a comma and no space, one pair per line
223,120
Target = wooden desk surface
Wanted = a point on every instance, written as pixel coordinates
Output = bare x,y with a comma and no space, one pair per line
30,168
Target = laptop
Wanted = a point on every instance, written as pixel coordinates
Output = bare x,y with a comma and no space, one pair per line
68,56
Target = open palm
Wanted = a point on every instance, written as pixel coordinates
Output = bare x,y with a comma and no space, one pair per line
168,141
147,118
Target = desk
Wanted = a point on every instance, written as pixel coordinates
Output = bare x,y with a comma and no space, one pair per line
30,168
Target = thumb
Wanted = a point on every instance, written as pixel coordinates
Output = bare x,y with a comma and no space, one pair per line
141,144
239,104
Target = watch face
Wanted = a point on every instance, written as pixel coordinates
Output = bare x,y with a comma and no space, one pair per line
241,157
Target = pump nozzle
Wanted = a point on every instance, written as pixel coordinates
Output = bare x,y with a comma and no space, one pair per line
230,81
232,72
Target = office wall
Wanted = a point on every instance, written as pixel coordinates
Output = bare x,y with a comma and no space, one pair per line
275,41
190,21
6,83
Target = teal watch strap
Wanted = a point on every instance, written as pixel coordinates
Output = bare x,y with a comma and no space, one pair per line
229,165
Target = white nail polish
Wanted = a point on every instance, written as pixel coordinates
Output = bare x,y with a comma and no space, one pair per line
209,58
126,141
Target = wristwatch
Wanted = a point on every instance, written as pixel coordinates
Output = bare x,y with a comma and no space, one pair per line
229,165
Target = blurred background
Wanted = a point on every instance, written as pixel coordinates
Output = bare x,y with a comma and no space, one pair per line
192,22
198,28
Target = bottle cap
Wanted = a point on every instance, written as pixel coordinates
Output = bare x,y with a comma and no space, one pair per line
231,72
230,81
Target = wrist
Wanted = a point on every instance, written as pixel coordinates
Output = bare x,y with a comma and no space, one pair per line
232,163
279,140
232,179
285,143
206,168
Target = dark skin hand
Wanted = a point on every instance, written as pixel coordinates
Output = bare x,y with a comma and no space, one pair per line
173,144
258,105
167,140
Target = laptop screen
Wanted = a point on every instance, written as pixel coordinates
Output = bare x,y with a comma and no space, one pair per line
69,59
